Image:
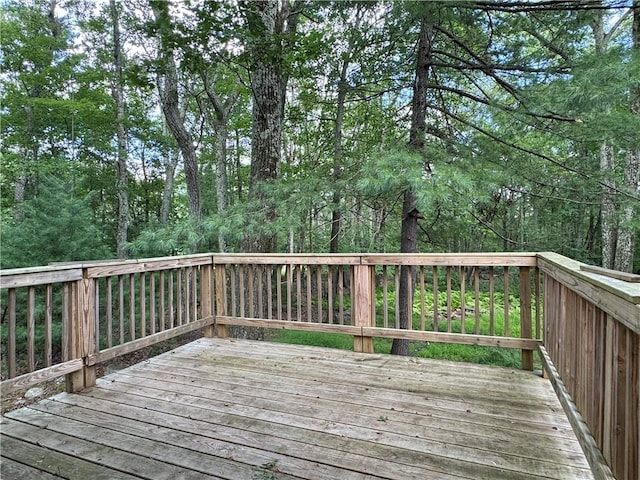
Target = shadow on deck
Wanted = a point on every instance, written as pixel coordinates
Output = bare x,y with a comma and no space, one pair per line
219,408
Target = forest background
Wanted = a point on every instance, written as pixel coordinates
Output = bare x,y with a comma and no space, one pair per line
142,128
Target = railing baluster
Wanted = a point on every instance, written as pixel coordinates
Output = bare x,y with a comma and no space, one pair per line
279,275
299,291
463,301
170,289
163,310
269,273
506,301
525,315
309,308
121,307
396,278
48,323
449,299
132,307
109,311
12,332
436,300
476,297
194,293
289,292
319,291
31,319
143,305
241,289
180,296
422,300
260,274
492,309
330,313
152,302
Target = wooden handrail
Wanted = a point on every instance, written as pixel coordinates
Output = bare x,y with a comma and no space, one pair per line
590,333
592,351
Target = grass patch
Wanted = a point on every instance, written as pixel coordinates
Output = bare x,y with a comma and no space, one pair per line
317,339
505,357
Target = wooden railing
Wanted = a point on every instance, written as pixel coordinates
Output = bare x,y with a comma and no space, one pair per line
66,319
356,294
592,351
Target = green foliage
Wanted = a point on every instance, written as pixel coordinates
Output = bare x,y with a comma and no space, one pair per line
58,226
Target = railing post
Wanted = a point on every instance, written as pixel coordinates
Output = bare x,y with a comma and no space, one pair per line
526,330
206,298
82,333
362,298
221,299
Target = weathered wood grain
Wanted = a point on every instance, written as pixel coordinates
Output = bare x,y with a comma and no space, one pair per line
42,375
237,409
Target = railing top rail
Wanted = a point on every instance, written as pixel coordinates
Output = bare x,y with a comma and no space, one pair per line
617,297
33,276
123,267
452,259
443,259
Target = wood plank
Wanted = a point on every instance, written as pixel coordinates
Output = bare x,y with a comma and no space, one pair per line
42,375
526,327
452,259
49,463
181,460
624,276
287,259
118,350
27,277
228,397
421,385
126,267
594,456
289,325
12,469
141,464
265,410
183,434
621,301
412,456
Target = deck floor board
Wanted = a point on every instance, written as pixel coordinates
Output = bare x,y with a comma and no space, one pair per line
219,408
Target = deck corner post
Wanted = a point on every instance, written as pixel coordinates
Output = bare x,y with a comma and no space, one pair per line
82,333
526,327
206,298
219,330
363,295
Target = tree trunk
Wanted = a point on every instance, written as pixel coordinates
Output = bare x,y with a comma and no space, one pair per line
117,93
336,214
410,212
625,241
268,21
220,120
608,208
167,193
168,88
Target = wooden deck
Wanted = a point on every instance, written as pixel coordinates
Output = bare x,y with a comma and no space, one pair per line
220,408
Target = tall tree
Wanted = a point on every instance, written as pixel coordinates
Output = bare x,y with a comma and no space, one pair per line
618,211
410,212
271,26
117,92
629,227
169,94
